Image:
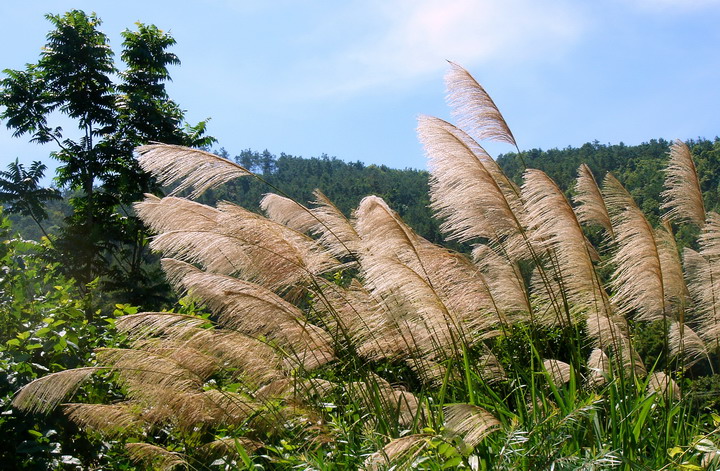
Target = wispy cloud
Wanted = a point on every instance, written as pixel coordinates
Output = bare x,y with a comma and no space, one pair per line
410,39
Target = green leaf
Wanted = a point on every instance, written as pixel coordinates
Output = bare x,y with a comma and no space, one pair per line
705,446
643,415
716,419
452,463
672,452
691,467
42,332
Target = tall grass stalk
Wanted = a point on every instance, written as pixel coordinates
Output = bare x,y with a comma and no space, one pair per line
343,343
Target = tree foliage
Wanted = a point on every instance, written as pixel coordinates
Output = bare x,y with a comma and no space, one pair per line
345,183
21,193
639,168
44,329
74,76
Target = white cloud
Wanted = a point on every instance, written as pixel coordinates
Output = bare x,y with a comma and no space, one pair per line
409,39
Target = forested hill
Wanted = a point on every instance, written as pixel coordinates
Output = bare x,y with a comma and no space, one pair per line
639,167
406,191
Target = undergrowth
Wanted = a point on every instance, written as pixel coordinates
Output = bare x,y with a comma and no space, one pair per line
340,343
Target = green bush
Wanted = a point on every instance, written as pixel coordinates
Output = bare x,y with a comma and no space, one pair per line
44,329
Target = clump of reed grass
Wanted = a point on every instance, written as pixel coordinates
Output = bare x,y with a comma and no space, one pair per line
355,342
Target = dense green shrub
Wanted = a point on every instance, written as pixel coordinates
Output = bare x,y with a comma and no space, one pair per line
44,328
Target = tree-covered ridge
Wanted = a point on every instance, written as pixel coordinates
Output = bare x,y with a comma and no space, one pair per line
345,183
639,167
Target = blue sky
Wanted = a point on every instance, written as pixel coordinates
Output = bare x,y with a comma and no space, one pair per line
349,78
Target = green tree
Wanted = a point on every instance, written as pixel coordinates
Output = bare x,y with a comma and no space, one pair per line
21,193
74,76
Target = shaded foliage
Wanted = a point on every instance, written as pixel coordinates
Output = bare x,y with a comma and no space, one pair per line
44,329
75,76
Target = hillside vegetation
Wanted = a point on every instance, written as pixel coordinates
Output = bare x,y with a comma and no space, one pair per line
314,337
639,168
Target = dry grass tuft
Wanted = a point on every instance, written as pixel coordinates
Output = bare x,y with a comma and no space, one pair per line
191,168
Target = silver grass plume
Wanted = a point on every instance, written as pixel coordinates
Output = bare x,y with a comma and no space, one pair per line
232,240
356,313
228,447
336,232
590,205
464,193
253,360
443,289
687,344
191,410
471,422
683,197
559,371
143,367
254,310
146,324
462,287
606,334
394,270
275,241
155,457
199,362
298,389
454,280
638,279
44,394
239,305
610,335
191,168
555,228
598,368
325,220
383,233
111,420
703,280
230,408
165,214
505,282
287,212
676,291
431,373
508,187
663,384
401,405
399,452
474,108
423,321
710,238
490,368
